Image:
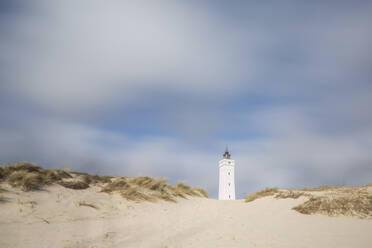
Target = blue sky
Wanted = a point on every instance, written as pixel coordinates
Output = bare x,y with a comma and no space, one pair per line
159,88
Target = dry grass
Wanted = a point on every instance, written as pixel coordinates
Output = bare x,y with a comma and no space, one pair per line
117,185
321,188
136,194
182,190
290,194
2,173
151,189
86,204
202,192
359,205
261,193
74,184
26,181
92,179
326,200
27,176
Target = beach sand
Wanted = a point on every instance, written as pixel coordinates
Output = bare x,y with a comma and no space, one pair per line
61,217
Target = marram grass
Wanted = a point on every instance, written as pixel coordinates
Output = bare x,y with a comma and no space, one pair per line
27,177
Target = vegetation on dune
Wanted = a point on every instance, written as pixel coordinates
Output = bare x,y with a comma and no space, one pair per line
348,201
92,179
290,194
27,176
151,189
74,184
320,188
261,193
26,180
326,200
202,192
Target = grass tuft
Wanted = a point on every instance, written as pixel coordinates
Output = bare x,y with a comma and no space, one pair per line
86,204
290,194
117,185
151,189
74,184
202,192
261,193
25,166
136,194
26,181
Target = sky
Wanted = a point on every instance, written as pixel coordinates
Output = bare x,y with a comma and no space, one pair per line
159,88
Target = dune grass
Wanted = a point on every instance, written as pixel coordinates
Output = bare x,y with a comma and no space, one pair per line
360,206
261,193
151,189
74,184
320,188
348,201
27,176
26,180
290,194
326,200
92,179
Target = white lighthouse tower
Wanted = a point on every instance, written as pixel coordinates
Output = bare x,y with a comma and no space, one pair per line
226,189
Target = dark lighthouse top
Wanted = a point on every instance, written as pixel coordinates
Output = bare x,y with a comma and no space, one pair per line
226,154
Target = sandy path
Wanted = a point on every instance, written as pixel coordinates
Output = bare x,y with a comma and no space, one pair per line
196,222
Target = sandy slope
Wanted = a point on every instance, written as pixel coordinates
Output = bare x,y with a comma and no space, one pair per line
53,218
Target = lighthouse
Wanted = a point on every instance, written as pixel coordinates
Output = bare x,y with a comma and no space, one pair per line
226,190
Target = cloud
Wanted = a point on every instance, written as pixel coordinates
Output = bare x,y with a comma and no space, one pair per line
80,56
160,89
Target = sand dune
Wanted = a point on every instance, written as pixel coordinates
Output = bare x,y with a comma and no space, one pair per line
60,217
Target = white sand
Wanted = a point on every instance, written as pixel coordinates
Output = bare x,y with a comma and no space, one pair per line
53,218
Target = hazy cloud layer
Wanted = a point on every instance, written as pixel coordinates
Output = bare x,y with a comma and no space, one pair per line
159,88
